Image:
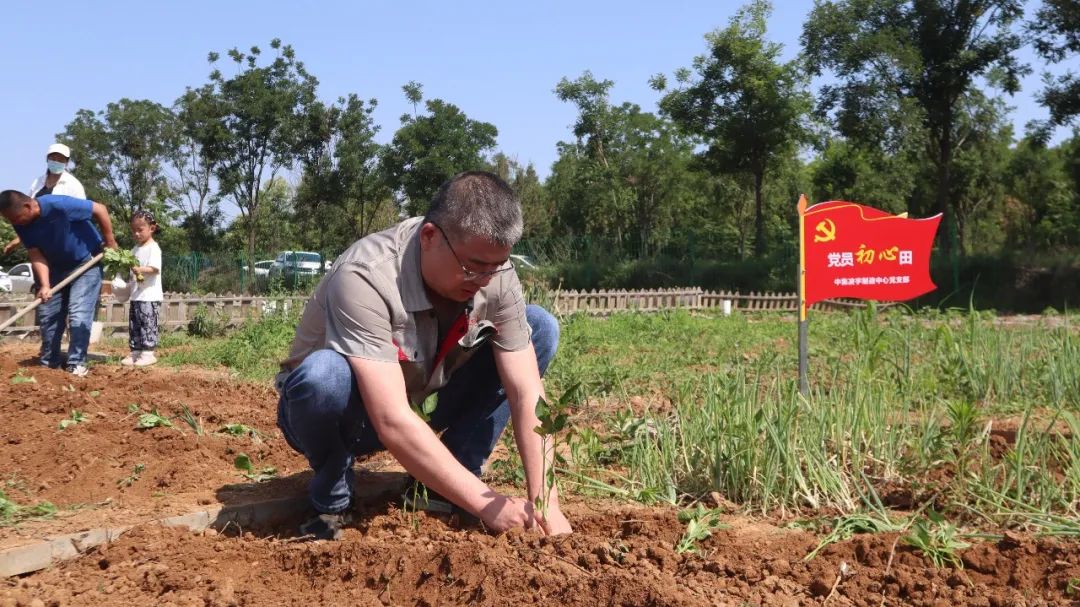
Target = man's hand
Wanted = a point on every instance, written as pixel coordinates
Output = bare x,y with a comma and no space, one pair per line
555,523
508,512
44,293
110,243
11,246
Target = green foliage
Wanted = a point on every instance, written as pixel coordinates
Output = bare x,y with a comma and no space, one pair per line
238,430
747,107
153,420
261,110
130,479
12,513
118,262
553,417
253,350
937,539
77,417
207,323
428,149
21,377
189,418
844,527
244,465
700,523
121,155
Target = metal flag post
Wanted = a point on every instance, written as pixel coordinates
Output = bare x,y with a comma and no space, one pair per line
804,381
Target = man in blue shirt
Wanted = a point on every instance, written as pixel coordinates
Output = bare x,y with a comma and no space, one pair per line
59,237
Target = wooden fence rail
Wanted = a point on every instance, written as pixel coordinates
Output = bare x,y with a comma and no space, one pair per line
178,309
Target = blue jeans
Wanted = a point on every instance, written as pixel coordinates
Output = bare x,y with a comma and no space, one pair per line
77,304
321,414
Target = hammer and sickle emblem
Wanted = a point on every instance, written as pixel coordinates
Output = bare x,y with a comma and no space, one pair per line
826,231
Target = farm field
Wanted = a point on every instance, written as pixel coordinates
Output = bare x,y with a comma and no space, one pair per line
936,462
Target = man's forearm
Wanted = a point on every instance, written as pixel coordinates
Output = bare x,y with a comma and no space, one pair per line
425,457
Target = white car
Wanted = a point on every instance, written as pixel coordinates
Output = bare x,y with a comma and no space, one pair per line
5,282
21,277
262,268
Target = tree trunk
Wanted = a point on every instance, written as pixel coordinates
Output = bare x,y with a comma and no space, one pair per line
944,182
759,214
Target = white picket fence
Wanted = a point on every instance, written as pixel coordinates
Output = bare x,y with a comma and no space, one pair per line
178,308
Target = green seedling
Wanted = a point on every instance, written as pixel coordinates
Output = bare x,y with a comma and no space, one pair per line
244,465
845,527
239,430
1072,587
130,479
133,409
77,417
21,378
700,523
190,419
153,420
95,393
553,417
12,513
937,540
426,408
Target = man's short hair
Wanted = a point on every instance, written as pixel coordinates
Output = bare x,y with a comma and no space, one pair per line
11,199
478,203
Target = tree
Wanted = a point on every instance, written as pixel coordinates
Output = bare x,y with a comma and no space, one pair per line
536,205
748,108
343,189
257,137
980,164
933,51
199,118
431,148
1056,29
625,175
121,156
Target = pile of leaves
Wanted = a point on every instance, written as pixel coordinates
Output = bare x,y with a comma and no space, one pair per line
119,262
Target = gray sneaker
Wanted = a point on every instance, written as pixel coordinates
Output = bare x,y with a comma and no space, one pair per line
417,497
78,370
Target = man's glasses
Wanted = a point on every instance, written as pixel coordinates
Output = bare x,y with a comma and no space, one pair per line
470,274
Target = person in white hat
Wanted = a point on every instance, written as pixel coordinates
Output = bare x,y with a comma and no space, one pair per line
56,180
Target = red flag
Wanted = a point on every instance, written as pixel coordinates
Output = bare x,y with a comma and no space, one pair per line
852,250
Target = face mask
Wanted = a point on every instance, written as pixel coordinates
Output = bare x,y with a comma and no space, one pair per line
56,167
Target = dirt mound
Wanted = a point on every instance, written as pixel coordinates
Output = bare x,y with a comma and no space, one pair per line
619,555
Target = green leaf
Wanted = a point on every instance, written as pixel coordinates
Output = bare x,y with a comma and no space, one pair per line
243,462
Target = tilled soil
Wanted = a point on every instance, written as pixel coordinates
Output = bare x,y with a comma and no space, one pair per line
620,554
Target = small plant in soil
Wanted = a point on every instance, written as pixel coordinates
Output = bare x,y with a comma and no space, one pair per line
77,417
153,419
21,377
845,527
238,430
12,513
553,418
130,479
244,465
1072,587
700,523
190,419
937,540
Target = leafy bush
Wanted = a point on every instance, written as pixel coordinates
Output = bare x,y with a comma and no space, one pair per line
208,323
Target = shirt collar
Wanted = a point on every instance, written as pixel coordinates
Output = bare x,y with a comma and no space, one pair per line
413,293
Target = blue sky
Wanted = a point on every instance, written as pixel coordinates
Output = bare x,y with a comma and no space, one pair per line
497,61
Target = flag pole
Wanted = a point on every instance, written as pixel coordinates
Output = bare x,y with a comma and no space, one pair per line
804,382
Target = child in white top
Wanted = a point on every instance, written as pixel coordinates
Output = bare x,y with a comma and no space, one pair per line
146,294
